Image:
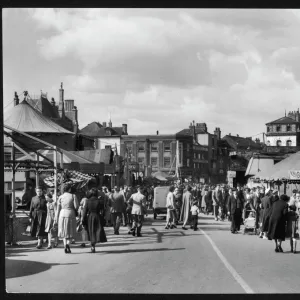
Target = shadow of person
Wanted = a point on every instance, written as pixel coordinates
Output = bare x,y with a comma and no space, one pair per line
18,268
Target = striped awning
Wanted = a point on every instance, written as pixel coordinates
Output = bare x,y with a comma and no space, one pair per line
73,177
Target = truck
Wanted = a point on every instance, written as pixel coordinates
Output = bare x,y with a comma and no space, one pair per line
160,200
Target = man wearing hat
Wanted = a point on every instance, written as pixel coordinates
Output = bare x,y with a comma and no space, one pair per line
235,206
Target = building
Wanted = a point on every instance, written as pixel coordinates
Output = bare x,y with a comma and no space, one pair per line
242,149
105,135
283,135
152,153
206,167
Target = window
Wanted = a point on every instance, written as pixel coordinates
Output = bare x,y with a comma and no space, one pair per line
107,147
211,164
199,155
167,162
180,153
141,161
188,162
194,166
213,153
289,143
288,127
195,155
153,161
278,143
108,132
141,147
268,143
154,147
7,156
187,148
213,141
278,128
268,129
167,147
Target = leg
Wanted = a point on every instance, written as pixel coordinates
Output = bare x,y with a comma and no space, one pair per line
40,242
139,225
49,240
295,245
118,222
114,218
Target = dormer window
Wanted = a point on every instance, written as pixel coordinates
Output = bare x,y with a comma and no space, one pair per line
288,127
268,129
278,128
278,143
108,132
289,143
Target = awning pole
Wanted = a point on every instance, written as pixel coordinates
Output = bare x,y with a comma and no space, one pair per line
37,175
13,179
55,174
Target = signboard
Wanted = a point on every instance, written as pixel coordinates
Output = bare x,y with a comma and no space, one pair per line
295,175
231,174
92,168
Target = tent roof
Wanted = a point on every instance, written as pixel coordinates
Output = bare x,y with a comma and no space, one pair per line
257,166
281,170
24,117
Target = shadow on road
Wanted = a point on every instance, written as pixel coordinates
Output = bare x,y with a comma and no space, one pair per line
18,268
139,250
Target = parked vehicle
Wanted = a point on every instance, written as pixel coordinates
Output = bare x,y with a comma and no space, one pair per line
160,200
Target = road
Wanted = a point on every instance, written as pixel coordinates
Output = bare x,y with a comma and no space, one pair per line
210,260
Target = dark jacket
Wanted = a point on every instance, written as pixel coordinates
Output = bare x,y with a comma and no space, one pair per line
233,204
265,212
116,202
38,215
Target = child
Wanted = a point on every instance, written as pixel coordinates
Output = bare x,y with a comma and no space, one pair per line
50,221
195,212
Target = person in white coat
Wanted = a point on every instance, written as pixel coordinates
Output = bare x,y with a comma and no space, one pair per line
171,214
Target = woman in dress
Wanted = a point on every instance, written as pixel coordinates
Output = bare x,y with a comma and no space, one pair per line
67,206
292,228
278,214
204,202
83,235
50,220
92,221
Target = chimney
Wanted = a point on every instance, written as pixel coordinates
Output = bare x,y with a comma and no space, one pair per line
217,132
69,105
52,102
201,126
16,99
157,133
229,134
237,135
257,140
124,126
104,124
61,105
75,120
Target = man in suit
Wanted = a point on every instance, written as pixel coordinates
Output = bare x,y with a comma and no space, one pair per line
116,203
217,201
235,206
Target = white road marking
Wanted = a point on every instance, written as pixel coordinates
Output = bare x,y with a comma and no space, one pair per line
230,268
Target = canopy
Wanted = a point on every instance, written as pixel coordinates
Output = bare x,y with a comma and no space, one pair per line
25,118
258,166
162,176
73,177
281,170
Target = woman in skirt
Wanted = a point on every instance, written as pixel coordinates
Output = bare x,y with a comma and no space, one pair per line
67,206
82,235
92,221
50,221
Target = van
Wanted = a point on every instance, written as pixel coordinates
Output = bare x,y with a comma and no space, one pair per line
160,200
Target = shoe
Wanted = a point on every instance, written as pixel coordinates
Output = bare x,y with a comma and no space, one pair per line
39,247
294,251
129,232
49,247
276,249
55,245
68,249
133,233
73,242
233,232
117,233
195,229
280,249
139,235
82,245
93,250
265,238
184,228
174,226
167,227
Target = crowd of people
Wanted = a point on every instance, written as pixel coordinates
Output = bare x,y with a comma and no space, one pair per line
73,217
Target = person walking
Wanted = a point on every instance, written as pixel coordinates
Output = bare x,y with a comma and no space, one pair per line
235,207
205,202
171,216
37,216
217,202
50,221
185,214
67,206
138,202
256,204
178,203
266,208
116,203
292,226
83,234
92,221
195,211
278,215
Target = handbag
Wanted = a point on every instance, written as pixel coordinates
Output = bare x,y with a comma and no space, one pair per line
54,230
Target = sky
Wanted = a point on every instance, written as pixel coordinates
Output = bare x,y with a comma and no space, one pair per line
158,69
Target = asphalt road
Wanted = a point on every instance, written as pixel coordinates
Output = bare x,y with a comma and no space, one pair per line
210,260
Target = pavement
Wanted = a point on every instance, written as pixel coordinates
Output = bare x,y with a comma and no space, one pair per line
210,260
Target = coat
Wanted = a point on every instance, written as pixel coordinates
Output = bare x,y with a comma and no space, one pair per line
138,204
38,215
233,204
117,202
265,212
278,216
217,198
92,221
185,213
